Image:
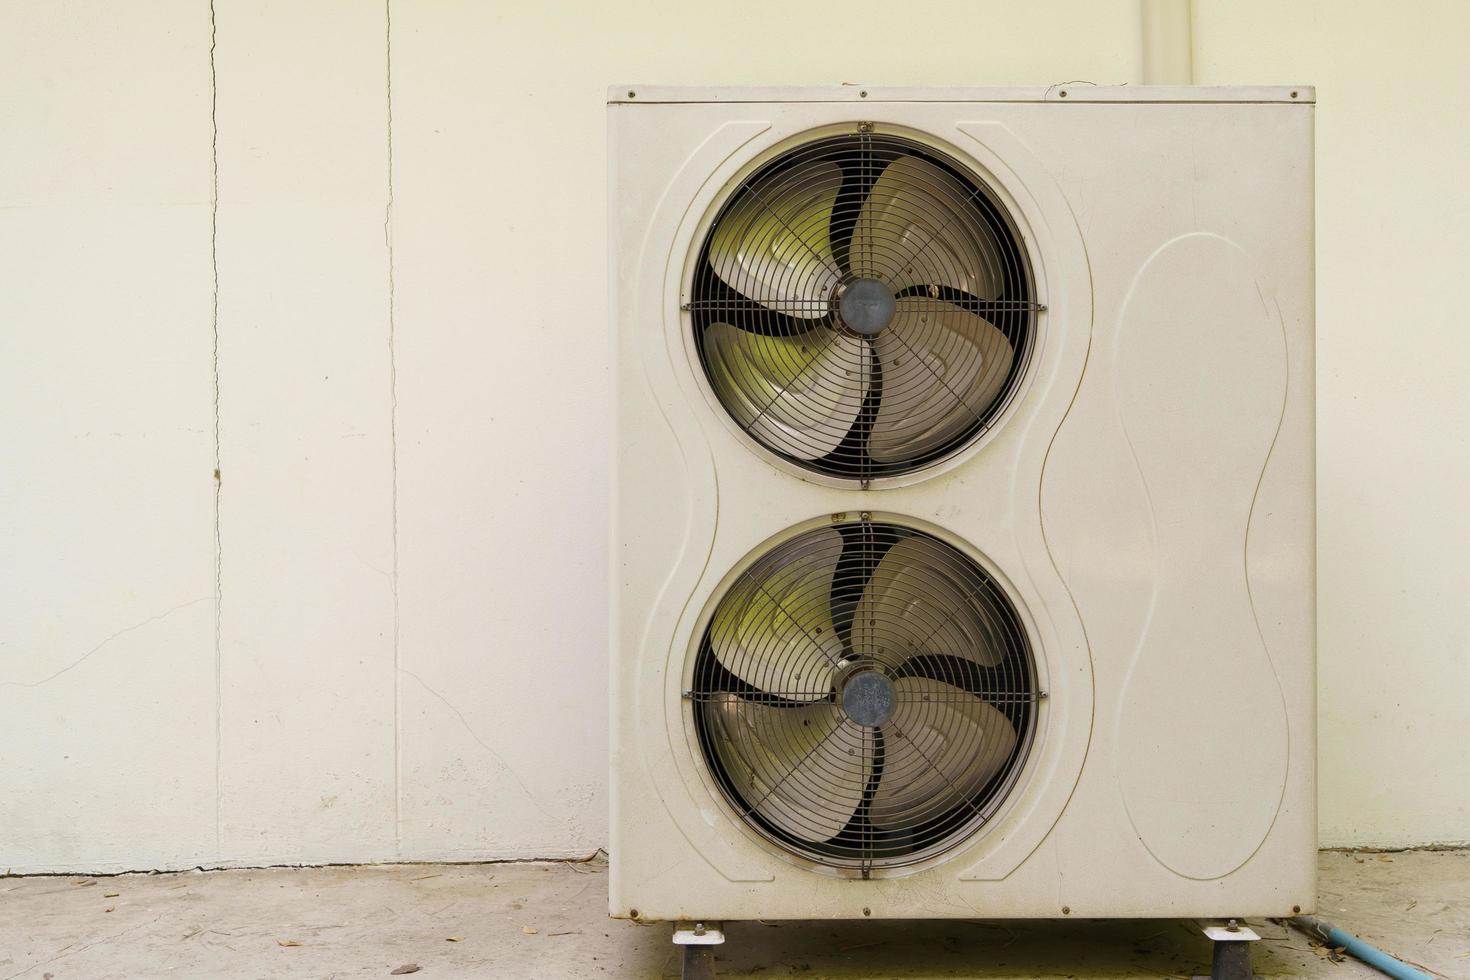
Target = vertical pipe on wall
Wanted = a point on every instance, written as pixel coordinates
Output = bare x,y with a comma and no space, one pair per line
1168,48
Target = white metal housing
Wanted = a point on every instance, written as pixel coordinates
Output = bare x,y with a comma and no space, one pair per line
1147,498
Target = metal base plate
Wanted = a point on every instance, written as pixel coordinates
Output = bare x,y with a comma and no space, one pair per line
1222,934
699,934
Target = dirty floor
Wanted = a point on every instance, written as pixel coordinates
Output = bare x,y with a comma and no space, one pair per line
547,921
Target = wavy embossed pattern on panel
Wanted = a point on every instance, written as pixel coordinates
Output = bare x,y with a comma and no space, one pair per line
1200,375
700,490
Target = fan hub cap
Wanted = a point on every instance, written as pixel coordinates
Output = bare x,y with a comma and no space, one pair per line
866,306
867,698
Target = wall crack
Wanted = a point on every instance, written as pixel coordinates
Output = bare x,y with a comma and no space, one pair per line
102,645
393,418
480,741
219,552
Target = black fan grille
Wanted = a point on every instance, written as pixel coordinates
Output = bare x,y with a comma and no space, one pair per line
863,306
860,714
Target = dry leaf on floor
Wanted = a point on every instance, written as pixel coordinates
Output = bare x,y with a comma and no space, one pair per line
288,942
405,968
108,909
454,939
110,894
530,930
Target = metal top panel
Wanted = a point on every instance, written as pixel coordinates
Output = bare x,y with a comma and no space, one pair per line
1062,92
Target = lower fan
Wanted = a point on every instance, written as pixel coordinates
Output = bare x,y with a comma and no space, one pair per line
865,695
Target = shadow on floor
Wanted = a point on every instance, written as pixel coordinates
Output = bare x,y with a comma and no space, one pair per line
923,949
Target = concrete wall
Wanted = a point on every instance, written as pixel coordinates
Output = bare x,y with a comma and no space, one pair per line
379,634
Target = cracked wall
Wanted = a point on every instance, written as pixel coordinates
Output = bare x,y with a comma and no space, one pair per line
400,382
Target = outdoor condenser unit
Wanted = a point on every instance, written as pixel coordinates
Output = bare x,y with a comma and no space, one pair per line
963,522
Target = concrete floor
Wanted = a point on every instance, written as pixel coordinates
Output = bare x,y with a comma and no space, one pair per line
547,921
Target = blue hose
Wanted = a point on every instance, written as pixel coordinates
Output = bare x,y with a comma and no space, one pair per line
1372,955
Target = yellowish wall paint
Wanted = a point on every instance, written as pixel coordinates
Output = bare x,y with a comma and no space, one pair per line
1393,429
307,722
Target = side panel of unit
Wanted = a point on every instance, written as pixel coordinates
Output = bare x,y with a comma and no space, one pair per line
1179,503
664,508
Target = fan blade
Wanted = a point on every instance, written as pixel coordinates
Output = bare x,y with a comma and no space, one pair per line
793,765
773,245
920,600
942,369
920,226
774,629
800,395
937,753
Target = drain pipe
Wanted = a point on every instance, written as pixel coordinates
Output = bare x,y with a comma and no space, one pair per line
1341,939
1168,43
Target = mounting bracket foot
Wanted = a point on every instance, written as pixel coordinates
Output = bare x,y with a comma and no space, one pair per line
1232,956
699,940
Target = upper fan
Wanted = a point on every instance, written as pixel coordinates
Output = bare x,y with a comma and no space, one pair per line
864,695
862,306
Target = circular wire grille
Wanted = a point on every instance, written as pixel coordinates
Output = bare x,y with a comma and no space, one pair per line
864,696
862,306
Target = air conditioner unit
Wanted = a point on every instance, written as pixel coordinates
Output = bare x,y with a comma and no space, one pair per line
964,527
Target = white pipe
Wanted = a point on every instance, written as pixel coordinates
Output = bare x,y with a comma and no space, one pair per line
1168,45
